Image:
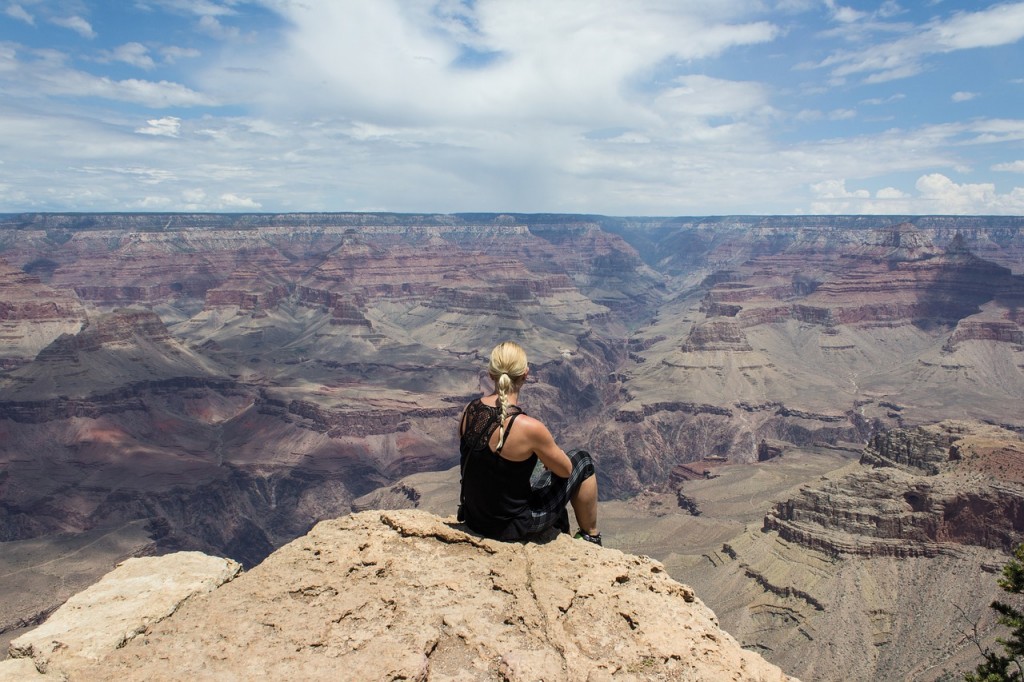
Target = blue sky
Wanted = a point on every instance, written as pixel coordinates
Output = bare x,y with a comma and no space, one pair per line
627,107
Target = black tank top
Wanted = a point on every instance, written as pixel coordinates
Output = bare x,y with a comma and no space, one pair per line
495,491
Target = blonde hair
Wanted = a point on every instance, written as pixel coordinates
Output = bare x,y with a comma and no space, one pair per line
508,370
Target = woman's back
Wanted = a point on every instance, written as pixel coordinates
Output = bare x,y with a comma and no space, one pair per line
496,489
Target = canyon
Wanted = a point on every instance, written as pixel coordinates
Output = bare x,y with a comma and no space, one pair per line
223,382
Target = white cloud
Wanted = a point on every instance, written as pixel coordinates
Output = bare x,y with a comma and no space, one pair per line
808,115
630,137
16,11
702,96
996,130
144,174
169,126
135,54
997,25
842,114
950,197
1001,24
846,15
891,193
232,201
45,72
153,203
194,196
877,101
584,60
211,26
76,24
172,54
200,7
152,94
891,8
937,194
963,96
836,189
1011,167
8,58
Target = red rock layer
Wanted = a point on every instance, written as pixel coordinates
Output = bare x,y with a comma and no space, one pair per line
724,335
891,277
31,315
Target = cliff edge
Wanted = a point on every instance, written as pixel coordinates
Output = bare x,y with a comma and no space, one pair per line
386,595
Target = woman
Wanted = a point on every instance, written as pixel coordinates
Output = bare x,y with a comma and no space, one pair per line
500,445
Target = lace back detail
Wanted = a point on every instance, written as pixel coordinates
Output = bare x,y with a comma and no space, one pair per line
481,422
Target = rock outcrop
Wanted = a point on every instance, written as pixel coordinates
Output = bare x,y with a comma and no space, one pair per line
916,496
888,564
139,593
397,595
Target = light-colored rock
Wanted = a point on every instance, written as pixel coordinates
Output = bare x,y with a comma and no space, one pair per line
127,601
19,670
408,595
882,570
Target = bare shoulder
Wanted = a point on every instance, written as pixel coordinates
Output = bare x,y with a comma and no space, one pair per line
533,427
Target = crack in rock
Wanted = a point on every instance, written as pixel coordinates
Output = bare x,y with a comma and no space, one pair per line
444,533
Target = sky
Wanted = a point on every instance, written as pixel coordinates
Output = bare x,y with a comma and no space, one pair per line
613,107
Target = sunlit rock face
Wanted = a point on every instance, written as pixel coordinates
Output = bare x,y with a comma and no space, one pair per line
918,494
391,595
235,378
877,570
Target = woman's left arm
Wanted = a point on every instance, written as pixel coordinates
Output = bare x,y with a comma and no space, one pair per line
543,444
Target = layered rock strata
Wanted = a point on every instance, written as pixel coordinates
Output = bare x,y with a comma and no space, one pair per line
897,277
913,501
32,314
889,565
305,360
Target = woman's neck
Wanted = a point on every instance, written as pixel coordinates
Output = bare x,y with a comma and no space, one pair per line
512,397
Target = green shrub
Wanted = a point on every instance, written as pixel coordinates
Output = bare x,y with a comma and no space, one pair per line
1008,665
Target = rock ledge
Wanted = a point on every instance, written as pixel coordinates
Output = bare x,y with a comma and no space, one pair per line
408,595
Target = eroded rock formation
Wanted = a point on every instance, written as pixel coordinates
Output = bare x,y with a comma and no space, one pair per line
888,565
32,314
915,497
368,331
397,595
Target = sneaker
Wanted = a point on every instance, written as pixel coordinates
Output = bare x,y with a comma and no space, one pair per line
596,539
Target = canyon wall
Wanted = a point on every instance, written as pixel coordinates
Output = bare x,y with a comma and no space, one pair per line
249,353
883,569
